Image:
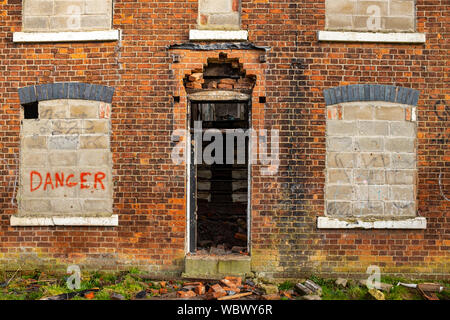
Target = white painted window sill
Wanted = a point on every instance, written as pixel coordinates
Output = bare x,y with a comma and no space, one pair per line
380,37
333,223
112,221
208,35
108,35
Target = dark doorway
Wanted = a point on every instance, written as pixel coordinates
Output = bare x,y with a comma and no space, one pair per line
220,197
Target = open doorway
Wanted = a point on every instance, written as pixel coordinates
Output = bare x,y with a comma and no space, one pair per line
221,182
219,120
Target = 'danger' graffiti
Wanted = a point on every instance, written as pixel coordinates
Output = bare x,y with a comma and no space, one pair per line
60,179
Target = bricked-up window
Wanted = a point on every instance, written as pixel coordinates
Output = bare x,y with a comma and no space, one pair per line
219,14
66,15
373,15
65,162
371,160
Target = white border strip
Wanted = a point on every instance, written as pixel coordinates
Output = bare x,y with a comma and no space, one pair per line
112,221
218,35
332,223
109,35
371,37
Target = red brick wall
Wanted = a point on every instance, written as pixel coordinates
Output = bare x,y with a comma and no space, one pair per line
149,191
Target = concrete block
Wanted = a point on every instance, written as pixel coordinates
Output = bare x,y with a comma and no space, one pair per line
96,126
84,109
339,144
224,19
94,158
373,128
66,127
65,206
400,208
340,192
341,159
341,176
215,6
400,8
369,143
368,208
338,22
35,127
62,158
38,8
370,176
374,160
340,7
97,206
361,112
402,128
63,142
97,22
403,161
34,142
372,193
53,109
69,7
402,193
34,159
31,186
400,144
341,128
400,24
98,7
401,177
94,142
339,208
363,8
32,206
65,23
390,113
35,23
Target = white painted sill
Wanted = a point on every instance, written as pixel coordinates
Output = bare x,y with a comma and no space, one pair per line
380,37
333,223
108,35
112,221
209,35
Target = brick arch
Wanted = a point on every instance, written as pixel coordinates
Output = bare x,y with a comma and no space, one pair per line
65,90
371,92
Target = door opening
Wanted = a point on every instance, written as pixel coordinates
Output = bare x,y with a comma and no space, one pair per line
219,175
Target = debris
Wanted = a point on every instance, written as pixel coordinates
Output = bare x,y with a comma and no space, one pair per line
427,290
185,294
311,285
196,77
386,287
70,295
312,297
377,294
141,294
200,289
302,289
271,297
116,296
90,295
236,296
240,236
341,282
269,288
